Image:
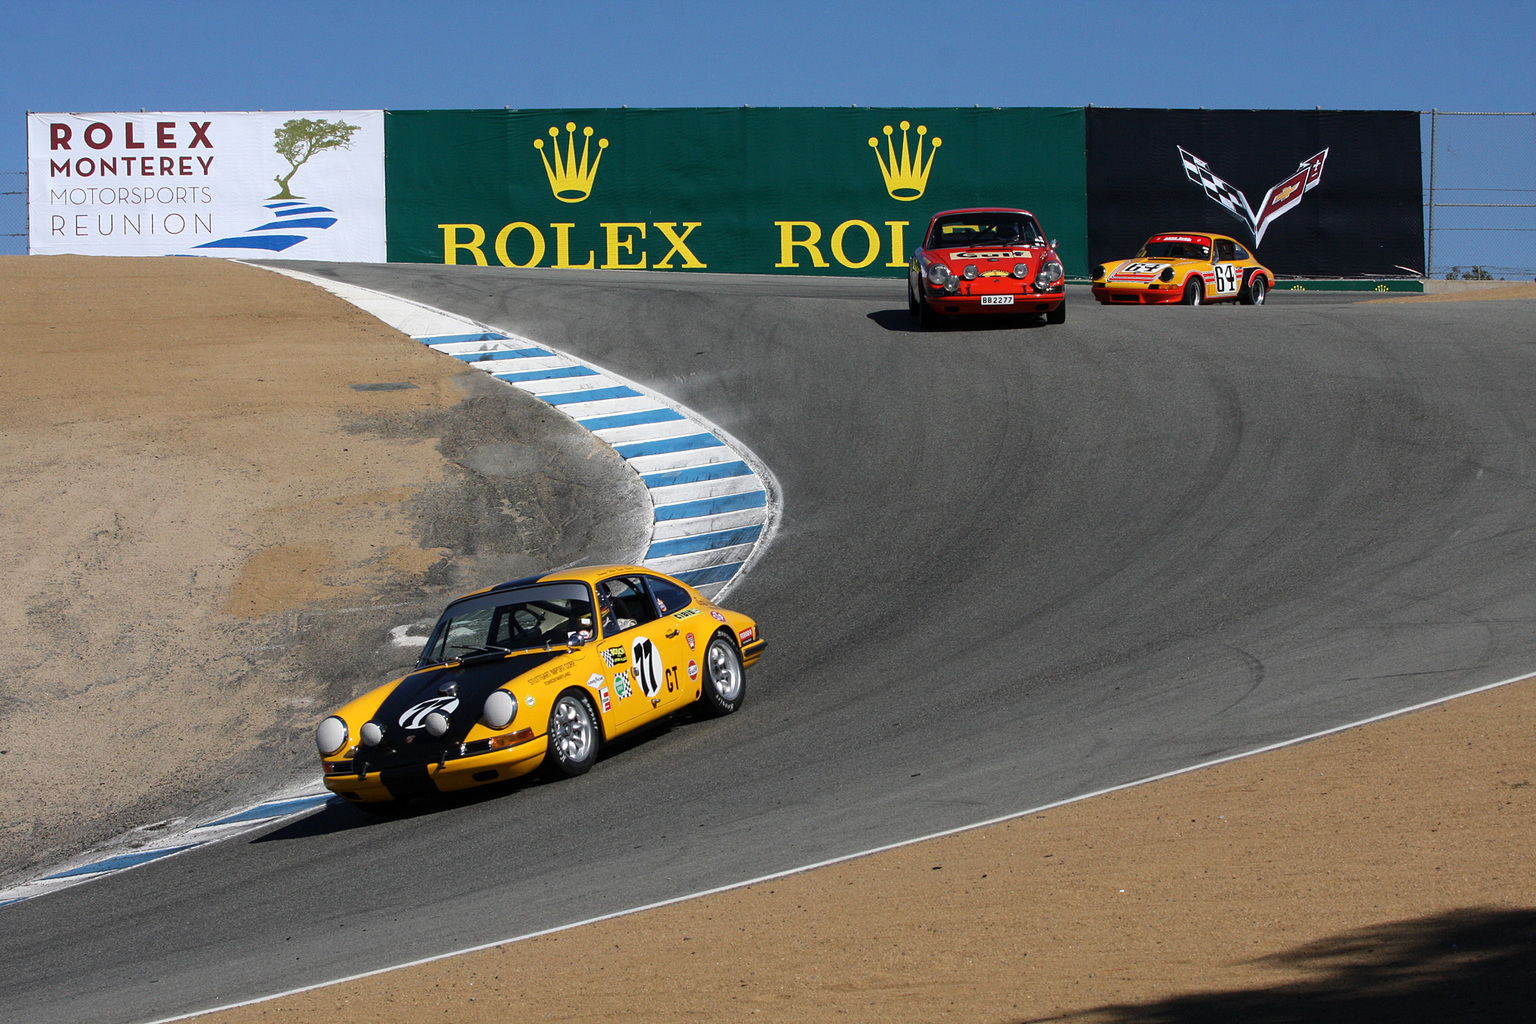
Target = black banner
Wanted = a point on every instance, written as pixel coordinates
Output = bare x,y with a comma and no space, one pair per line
1327,193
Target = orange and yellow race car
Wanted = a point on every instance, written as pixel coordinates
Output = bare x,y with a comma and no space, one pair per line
537,672
985,261
1185,267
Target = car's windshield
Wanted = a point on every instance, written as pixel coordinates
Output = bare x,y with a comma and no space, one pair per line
963,230
1177,249
546,613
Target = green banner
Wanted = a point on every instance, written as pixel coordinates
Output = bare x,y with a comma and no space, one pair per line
733,190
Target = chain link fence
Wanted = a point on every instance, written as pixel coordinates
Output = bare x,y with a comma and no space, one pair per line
1479,195
13,213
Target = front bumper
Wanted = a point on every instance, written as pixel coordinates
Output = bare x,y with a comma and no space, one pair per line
427,778
970,300
1156,293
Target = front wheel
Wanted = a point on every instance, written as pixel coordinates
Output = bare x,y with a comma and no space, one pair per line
573,736
1194,292
1057,315
725,683
913,306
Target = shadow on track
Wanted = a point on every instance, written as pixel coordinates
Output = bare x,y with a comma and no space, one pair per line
1473,964
338,815
901,321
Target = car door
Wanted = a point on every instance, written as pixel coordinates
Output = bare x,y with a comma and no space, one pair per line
1228,276
640,651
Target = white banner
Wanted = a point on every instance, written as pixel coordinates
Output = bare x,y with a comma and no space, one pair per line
293,185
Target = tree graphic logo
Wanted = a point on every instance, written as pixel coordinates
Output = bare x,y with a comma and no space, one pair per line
301,138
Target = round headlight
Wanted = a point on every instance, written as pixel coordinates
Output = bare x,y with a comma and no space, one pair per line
331,736
1021,270
1098,271
500,709
1166,275
938,275
372,735
437,723
1050,273
969,272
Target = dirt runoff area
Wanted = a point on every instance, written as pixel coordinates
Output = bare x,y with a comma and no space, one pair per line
211,518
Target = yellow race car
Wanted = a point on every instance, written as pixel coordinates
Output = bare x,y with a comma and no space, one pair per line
1191,268
537,672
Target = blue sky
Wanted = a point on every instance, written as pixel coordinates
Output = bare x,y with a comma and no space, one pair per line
109,55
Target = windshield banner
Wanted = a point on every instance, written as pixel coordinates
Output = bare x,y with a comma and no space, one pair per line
297,184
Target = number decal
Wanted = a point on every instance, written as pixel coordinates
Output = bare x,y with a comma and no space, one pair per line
647,666
1140,268
1226,278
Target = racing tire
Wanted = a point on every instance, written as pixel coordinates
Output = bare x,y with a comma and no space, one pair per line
1253,293
1194,293
724,685
925,314
573,736
1057,315
912,304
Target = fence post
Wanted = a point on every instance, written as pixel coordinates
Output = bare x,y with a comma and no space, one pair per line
1429,258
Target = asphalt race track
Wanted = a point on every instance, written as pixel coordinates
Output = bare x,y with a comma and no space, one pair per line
1016,564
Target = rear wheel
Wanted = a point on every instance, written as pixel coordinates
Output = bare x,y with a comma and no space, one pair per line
1253,295
573,736
1057,315
724,680
1194,292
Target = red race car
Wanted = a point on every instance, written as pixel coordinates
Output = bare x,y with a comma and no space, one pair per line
985,261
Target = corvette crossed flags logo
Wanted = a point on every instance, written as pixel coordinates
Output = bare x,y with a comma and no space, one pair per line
1278,200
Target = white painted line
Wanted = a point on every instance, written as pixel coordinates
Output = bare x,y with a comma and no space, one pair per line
680,460
648,431
706,524
787,872
705,489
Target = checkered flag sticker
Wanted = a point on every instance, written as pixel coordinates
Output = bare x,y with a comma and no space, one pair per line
1278,200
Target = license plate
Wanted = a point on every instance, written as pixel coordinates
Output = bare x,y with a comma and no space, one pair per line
997,300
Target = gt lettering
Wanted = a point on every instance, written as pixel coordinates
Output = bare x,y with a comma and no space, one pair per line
671,675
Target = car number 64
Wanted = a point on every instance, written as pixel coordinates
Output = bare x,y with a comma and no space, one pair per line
1226,278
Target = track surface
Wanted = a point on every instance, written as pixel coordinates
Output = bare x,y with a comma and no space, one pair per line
1015,565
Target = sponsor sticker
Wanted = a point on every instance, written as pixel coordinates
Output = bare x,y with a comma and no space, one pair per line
615,656
621,685
693,670
717,616
748,635
603,693
686,613
595,680
692,643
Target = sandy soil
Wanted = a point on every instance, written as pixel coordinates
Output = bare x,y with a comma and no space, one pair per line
206,531
1512,291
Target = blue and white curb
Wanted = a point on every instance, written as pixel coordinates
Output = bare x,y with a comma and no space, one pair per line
149,843
714,504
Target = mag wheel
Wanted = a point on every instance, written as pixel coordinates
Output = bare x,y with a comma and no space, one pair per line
573,736
1194,292
1057,315
724,680
1253,295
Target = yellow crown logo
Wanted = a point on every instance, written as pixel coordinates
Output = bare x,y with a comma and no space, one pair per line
905,178
569,181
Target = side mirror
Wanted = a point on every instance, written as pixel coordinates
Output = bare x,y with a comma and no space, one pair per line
575,640
1053,243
